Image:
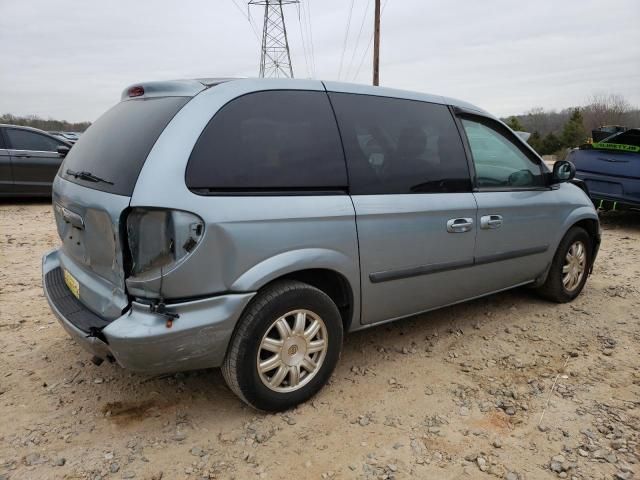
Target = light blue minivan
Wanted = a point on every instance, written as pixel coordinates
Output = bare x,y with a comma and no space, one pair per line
248,224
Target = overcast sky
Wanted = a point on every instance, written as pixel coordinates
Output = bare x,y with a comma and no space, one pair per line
70,59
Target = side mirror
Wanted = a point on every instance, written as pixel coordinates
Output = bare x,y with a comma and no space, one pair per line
563,171
62,151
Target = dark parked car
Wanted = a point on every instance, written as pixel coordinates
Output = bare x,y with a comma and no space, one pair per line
71,137
611,168
29,161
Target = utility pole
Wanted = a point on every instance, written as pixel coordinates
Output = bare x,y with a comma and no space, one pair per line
376,46
275,59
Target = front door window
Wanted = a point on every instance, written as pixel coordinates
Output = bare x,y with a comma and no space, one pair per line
499,162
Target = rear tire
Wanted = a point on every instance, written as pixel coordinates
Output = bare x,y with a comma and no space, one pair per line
570,267
285,347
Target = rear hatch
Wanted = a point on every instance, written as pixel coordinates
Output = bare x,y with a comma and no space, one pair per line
92,191
611,167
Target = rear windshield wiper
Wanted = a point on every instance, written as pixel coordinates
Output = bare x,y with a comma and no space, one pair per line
87,176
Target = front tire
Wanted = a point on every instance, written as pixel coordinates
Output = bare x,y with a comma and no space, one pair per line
570,267
285,347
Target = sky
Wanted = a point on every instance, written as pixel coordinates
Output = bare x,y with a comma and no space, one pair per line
71,59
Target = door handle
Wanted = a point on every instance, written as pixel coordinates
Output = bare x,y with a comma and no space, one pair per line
459,225
489,222
22,155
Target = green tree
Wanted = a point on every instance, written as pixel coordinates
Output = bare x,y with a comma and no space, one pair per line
574,133
535,140
550,145
514,124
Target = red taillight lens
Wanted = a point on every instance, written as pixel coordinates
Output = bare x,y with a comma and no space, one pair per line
136,91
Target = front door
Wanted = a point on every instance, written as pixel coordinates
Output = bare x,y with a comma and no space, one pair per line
415,212
518,214
34,160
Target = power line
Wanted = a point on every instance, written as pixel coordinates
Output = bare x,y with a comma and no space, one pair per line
346,37
304,45
364,55
307,30
302,20
310,37
246,15
355,48
250,18
313,51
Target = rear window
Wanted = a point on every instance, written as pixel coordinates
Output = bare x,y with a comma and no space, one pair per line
270,141
116,146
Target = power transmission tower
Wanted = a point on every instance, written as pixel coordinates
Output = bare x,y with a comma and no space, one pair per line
275,60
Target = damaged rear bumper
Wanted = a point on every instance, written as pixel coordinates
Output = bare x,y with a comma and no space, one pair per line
141,340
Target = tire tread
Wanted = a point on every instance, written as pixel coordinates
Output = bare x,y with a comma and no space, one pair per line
552,289
269,294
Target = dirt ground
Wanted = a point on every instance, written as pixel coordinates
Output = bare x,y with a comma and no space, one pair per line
508,386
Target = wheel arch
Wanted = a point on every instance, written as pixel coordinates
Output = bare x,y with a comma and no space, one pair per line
334,284
329,271
588,220
585,217
592,226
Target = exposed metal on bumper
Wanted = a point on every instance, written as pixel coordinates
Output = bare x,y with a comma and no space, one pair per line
140,341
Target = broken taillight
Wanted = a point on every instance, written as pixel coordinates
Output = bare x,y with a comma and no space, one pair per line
160,239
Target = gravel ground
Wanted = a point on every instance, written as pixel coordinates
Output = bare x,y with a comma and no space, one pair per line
508,386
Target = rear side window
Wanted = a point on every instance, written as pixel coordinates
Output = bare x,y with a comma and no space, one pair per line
27,140
116,146
400,146
270,141
1,139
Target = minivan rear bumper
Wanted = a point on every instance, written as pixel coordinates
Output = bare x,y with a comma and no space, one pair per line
144,341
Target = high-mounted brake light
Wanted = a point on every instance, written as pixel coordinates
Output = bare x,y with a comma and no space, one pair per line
136,91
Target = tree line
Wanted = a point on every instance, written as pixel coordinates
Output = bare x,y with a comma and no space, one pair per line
49,125
553,132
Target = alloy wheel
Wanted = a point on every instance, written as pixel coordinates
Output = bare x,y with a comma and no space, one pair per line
574,267
292,351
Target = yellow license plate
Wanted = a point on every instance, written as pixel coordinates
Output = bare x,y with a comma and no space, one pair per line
72,283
